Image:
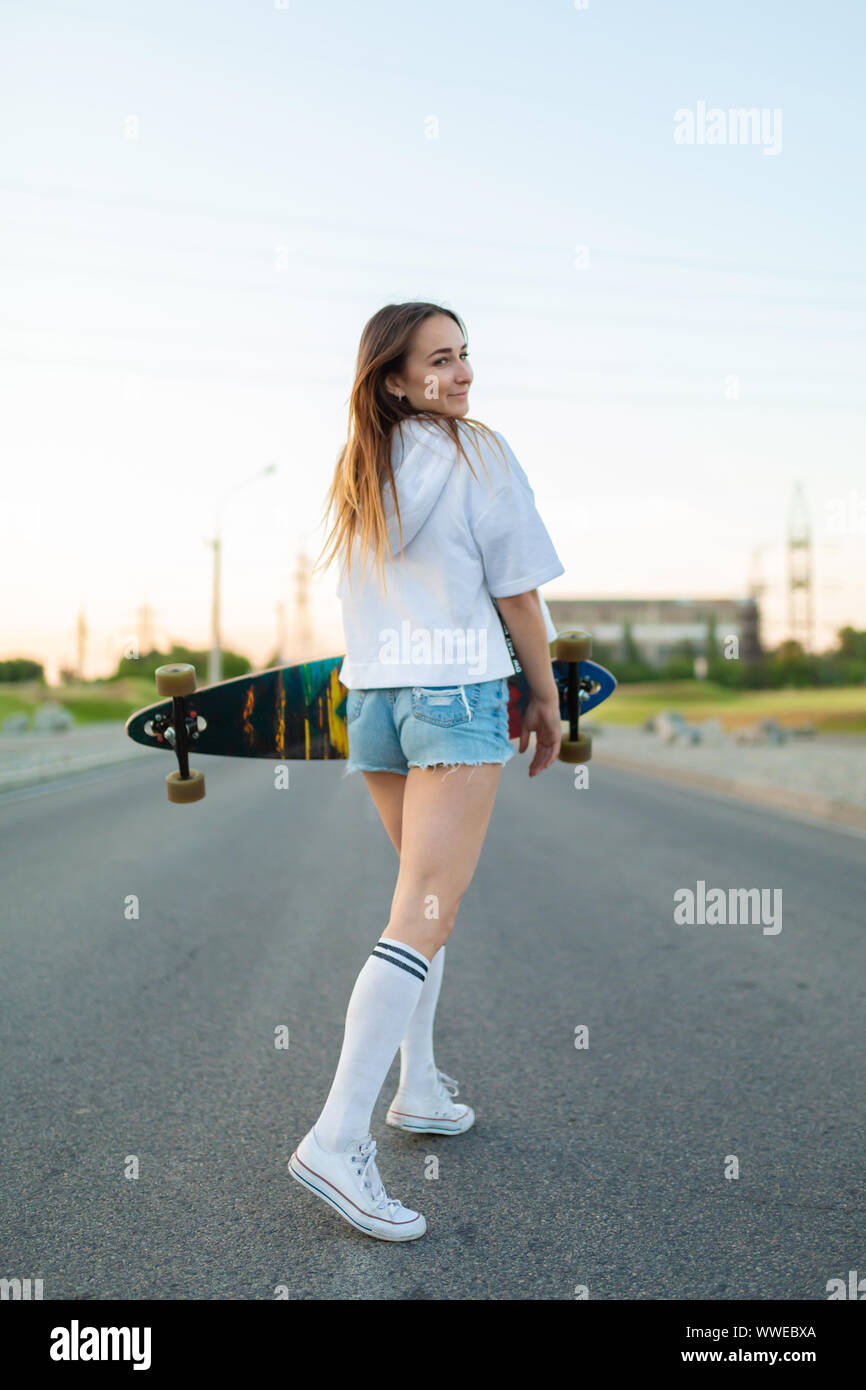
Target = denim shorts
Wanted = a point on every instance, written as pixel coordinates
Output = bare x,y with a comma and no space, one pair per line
398,727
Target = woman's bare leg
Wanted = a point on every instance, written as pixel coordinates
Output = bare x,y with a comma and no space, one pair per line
445,815
386,789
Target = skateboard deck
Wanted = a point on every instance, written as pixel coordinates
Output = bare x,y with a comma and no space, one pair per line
298,713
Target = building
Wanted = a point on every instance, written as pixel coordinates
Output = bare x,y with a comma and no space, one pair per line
659,626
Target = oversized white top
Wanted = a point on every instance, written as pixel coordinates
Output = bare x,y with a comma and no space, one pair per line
466,541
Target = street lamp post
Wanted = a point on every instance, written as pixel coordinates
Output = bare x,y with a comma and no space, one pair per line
215,662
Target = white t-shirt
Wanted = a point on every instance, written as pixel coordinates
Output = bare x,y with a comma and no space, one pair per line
465,542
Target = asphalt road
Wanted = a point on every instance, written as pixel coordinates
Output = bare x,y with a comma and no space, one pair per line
601,1167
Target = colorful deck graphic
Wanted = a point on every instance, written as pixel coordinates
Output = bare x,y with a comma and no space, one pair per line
298,713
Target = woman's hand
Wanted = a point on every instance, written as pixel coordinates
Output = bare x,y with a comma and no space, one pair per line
543,719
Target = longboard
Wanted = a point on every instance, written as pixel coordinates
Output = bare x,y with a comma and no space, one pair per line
298,713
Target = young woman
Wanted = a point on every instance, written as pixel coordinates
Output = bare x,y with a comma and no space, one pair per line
426,669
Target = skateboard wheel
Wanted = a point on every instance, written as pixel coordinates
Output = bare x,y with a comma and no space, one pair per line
178,679
572,646
183,789
577,750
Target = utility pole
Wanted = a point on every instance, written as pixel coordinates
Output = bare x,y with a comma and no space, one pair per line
756,583
281,634
800,610
750,641
302,608
145,629
81,638
215,662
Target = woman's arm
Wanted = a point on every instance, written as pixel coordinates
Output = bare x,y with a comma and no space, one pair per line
522,614
523,618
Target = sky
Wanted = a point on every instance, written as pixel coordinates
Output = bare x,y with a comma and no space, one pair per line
202,204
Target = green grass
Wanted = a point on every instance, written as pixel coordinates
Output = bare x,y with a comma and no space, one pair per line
833,708
11,702
86,703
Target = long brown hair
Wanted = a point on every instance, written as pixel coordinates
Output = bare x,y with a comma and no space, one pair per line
364,463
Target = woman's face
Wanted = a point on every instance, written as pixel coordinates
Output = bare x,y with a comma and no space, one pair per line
437,374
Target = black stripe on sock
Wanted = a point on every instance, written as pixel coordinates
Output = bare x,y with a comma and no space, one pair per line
415,956
400,964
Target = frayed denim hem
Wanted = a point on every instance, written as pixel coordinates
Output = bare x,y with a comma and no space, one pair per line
464,762
400,771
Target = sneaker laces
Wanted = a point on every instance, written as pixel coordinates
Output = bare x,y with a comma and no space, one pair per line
368,1176
445,1083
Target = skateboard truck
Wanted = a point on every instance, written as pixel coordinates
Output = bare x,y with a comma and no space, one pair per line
577,684
178,730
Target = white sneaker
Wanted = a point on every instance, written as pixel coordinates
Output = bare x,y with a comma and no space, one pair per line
350,1183
433,1114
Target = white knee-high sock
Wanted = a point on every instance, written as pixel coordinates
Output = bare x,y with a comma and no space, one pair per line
417,1064
384,998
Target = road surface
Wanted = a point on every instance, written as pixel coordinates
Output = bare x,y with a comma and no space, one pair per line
149,1040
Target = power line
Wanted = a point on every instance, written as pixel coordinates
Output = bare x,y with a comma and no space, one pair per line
582,288
285,217
260,375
